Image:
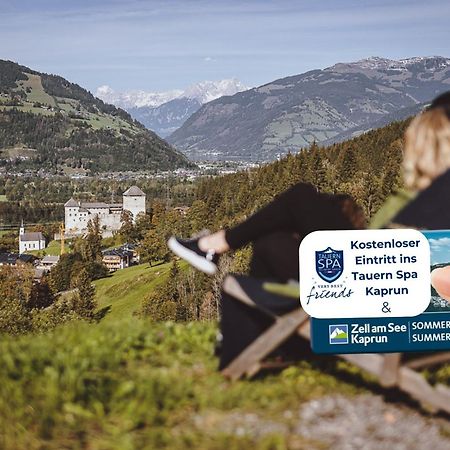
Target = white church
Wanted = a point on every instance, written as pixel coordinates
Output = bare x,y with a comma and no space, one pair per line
30,241
78,214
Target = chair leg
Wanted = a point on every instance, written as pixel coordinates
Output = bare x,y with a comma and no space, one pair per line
248,362
389,370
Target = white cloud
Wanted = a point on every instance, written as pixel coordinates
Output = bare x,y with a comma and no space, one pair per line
439,244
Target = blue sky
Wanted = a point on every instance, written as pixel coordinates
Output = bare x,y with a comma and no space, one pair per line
439,246
161,45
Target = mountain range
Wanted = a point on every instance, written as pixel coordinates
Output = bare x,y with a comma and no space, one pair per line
47,122
164,112
323,105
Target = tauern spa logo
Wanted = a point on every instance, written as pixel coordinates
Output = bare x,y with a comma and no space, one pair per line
329,264
329,267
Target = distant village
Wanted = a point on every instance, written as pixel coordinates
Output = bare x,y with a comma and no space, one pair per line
76,217
204,168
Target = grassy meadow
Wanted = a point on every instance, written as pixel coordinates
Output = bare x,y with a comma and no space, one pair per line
129,383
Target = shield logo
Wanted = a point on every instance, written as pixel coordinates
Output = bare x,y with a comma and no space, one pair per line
329,264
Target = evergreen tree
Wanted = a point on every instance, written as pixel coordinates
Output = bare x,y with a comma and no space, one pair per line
348,166
197,216
153,247
92,248
84,299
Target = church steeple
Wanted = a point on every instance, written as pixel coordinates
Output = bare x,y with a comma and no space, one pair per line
22,229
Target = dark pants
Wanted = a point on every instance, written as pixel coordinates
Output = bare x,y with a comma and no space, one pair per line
275,257
241,324
300,209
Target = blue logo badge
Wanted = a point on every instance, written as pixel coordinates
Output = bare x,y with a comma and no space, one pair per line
329,264
338,334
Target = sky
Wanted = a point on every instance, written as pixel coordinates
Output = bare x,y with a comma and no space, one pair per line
439,246
161,45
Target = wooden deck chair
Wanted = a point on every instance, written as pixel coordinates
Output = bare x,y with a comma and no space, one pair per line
392,370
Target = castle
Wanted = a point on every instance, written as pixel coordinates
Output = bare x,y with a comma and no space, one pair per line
78,214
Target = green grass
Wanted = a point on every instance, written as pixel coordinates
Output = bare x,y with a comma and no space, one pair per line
3,198
37,93
53,248
127,383
124,291
132,384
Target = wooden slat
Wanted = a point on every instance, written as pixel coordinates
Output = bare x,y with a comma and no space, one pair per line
232,287
265,344
389,370
426,361
370,362
417,387
444,393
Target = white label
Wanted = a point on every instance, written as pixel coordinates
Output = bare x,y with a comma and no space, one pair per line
365,273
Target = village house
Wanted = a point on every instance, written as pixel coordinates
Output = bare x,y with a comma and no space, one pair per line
120,257
78,214
116,259
48,262
15,259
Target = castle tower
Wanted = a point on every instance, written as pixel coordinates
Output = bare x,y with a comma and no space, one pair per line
134,201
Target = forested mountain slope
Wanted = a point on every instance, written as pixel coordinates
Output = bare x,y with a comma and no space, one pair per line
366,167
50,123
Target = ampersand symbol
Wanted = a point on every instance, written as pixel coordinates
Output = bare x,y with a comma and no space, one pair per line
386,308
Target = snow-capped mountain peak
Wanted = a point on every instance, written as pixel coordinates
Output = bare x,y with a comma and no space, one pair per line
203,92
135,98
206,91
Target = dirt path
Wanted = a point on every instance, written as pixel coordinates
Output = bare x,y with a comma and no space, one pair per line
364,422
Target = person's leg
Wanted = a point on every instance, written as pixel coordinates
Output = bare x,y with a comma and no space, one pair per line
279,215
300,209
241,324
275,257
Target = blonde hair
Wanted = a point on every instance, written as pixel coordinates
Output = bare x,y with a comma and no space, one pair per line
427,149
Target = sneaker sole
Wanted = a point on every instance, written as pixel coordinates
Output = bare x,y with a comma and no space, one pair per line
195,260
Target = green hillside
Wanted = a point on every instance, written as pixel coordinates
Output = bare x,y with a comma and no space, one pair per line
122,293
48,122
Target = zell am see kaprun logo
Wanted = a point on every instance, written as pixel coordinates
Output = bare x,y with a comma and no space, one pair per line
329,264
338,334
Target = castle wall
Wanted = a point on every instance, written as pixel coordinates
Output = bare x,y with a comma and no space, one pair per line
76,219
110,221
133,204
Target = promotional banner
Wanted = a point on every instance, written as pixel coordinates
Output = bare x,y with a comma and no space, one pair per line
425,332
364,273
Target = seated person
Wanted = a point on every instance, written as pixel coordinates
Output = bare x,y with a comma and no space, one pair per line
277,230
